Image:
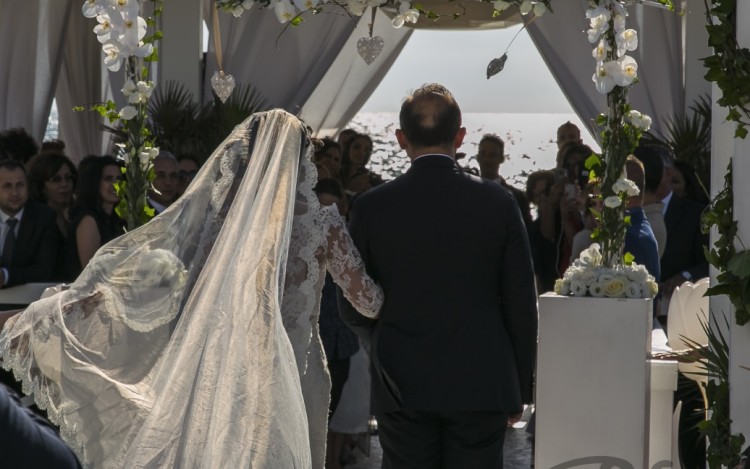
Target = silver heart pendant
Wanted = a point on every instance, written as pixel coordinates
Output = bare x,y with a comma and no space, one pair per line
369,48
223,85
496,66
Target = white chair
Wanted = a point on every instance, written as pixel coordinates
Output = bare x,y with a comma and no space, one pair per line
676,463
688,310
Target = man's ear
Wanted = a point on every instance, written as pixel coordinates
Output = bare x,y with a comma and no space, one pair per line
459,139
402,142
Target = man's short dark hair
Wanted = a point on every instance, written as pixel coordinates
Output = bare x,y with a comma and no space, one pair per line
17,144
12,165
430,116
494,139
652,157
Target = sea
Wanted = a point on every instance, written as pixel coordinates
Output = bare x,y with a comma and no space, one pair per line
529,140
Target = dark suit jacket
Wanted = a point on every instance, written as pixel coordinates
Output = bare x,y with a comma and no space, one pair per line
685,241
37,244
458,328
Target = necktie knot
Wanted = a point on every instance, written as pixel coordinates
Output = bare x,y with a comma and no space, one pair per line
12,222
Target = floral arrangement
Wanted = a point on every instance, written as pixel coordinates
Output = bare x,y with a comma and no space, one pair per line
621,127
590,276
408,11
122,32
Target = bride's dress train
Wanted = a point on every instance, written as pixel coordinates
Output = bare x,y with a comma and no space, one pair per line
192,341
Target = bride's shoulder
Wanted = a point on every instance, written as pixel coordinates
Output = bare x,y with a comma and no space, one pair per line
329,214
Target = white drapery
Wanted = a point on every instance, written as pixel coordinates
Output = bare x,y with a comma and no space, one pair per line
80,84
32,33
349,81
561,39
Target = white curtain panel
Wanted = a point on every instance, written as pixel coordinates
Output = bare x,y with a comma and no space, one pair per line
349,81
32,33
282,62
561,39
80,84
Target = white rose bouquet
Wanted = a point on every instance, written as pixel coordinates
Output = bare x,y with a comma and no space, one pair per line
589,276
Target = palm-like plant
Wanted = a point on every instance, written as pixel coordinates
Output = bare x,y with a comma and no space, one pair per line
181,126
689,138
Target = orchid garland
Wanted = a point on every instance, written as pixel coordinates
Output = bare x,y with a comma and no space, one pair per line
408,11
622,127
122,32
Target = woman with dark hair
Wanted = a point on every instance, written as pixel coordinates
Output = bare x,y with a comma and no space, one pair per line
328,159
94,220
52,181
685,183
355,177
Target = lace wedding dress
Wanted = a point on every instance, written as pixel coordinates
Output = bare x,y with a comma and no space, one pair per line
192,341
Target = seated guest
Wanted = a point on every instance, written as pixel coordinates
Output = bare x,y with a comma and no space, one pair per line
52,180
29,238
189,166
653,207
94,220
164,186
490,156
17,144
685,183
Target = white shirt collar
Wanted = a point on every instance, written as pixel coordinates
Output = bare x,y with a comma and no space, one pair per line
431,154
666,201
4,216
157,206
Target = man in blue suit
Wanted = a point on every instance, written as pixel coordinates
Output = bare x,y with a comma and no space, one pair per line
453,351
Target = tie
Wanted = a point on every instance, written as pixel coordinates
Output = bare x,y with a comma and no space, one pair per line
10,242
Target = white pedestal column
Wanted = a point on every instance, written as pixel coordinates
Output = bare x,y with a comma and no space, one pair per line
739,378
593,382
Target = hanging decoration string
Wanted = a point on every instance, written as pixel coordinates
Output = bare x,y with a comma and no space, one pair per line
370,47
496,65
222,83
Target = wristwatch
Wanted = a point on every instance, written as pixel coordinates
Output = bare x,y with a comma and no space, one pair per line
686,275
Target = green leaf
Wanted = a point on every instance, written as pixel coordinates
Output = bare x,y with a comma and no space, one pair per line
739,264
628,258
720,289
593,161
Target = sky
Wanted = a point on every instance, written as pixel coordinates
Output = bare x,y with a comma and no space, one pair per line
458,60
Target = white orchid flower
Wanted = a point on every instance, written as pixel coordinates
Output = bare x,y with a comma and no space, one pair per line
153,152
356,7
627,186
128,88
141,94
304,5
612,201
539,9
128,9
237,11
406,15
143,50
145,159
599,22
112,58
247,4
640,120
284,10
103,30
600,51
500,5
92,8
604,78
626,40
128,112
525,7
628,71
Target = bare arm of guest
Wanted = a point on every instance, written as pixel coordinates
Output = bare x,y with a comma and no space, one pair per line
88,239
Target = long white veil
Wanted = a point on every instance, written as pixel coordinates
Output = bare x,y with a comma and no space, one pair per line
170,349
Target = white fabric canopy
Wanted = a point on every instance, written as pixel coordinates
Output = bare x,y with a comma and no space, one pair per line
349,81
562,41
32,33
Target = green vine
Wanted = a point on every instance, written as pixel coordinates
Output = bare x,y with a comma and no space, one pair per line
729,66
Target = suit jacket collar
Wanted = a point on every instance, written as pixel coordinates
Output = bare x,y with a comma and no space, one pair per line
436,160
18,216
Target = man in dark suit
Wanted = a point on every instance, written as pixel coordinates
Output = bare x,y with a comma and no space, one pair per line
28,231
453,350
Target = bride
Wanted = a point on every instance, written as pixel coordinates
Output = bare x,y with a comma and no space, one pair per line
192,341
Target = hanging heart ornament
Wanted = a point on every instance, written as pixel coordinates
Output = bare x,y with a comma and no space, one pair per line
369,48
496,66
223,85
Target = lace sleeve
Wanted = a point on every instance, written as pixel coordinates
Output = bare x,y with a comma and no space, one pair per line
347,268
